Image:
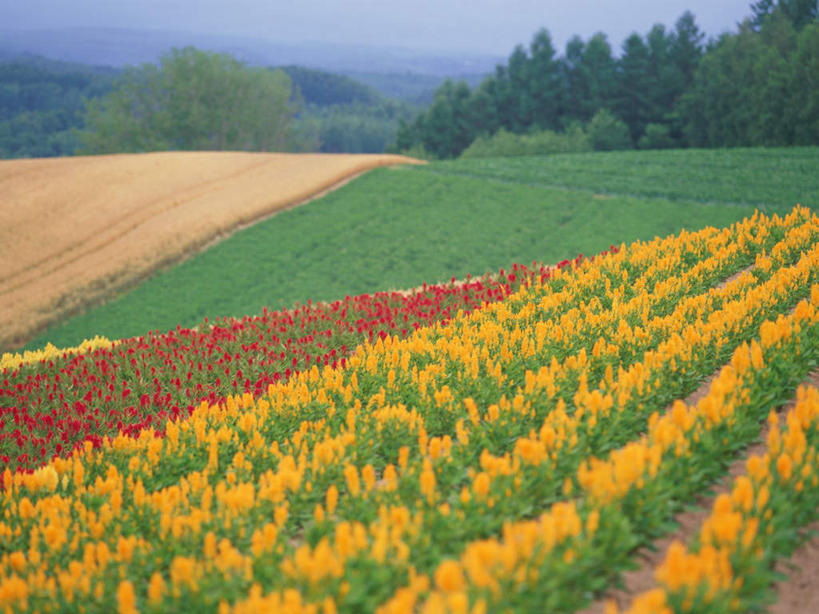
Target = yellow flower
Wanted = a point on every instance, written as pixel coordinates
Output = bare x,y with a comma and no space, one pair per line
353,482
480,485
126,600
427,481
331,499
449,576
156,588
784,466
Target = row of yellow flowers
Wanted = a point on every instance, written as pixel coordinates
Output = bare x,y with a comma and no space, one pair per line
551,562
730,563
13,360
339,487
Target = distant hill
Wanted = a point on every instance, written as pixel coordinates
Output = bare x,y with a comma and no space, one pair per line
120,47
323,88
42,102
415,88
354,96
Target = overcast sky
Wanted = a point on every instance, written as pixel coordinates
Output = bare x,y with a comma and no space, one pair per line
482,26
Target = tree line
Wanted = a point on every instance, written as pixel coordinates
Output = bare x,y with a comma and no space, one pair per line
191,99
759,86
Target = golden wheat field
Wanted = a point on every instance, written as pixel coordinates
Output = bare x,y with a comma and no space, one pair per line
75,229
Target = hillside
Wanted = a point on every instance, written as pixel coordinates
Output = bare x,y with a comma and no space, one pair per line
399,228
42,103
77,229
522,453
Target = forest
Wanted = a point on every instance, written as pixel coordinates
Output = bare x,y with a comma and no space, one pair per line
669,88
47,108
42,103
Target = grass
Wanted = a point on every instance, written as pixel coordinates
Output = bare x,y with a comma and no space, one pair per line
396,228
770,179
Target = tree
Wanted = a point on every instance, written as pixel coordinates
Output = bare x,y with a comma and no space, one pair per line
634,103
657,136
515,104
805,86
544,87
590,76
757,88
686,46
447,128
666,79
607,133
194,100
799,12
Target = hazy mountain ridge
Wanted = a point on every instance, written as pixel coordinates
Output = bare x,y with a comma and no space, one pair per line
121,47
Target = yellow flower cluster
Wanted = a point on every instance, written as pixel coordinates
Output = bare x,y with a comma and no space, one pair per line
13,361
341,481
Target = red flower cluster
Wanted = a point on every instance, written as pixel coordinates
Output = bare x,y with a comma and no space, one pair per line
49,408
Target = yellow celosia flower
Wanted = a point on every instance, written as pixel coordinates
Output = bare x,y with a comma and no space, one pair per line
126,599
449,576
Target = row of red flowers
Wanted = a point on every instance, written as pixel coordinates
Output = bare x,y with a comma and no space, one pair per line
53,406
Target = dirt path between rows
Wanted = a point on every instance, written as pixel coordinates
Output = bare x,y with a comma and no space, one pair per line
799,592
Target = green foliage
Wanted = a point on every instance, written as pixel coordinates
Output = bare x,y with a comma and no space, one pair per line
356,128
541,142
194,100
633,104
774,180
591,76
757,88
657,136
396,228
321,88
537,90
41,104
607,133
799,12
446,128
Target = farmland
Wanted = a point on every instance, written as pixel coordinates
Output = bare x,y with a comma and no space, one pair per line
76,229
399,228
515,455
520,440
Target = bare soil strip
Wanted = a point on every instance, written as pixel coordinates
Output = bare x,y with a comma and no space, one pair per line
75,230
799,592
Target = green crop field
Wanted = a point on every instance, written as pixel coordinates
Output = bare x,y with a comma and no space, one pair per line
396,228
770,179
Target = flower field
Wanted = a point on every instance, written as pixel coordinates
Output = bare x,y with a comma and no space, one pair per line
52,401
504,444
